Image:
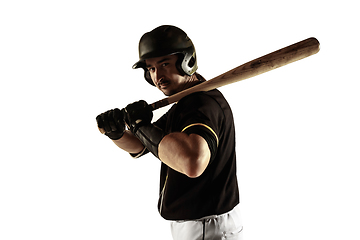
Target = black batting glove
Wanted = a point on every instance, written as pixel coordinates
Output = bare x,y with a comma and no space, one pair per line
138,114
138,117
112,122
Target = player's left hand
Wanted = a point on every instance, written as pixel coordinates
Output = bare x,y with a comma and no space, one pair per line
138,114
112,123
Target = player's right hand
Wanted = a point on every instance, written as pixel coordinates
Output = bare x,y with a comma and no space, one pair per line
112,122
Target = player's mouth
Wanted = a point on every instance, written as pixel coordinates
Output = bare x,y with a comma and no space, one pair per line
163,84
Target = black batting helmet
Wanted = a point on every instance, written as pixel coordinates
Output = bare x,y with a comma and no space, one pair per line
167,40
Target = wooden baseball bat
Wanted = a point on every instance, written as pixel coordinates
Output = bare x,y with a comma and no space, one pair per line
250,69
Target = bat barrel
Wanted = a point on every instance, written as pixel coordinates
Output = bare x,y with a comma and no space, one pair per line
250,69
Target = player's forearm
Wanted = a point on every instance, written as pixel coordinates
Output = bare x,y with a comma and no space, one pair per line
129,143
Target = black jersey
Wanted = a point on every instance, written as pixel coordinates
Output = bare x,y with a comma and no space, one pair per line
216,190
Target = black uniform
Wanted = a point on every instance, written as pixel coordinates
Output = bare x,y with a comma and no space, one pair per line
216,191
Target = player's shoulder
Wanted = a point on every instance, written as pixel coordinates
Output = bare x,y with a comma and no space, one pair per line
212,94
211,101
202,98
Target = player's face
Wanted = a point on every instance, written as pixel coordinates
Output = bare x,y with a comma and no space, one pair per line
165,75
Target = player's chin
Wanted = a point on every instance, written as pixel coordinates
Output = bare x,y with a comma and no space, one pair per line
167,90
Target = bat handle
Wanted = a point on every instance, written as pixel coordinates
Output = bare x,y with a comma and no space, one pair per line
156,105
102,131
159,104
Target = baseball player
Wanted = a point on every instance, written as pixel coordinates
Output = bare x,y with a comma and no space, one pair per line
194,140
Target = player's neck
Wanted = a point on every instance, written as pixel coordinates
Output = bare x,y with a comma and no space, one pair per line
191,81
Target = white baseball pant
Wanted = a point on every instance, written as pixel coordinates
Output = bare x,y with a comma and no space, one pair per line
226,226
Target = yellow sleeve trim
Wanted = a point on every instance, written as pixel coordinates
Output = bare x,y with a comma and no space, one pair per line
204,125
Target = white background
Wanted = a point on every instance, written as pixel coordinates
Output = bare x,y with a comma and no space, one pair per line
64,62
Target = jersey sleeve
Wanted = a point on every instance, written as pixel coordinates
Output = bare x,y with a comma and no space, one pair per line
202,115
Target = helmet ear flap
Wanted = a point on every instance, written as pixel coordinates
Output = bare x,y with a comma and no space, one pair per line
189,63
192,62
